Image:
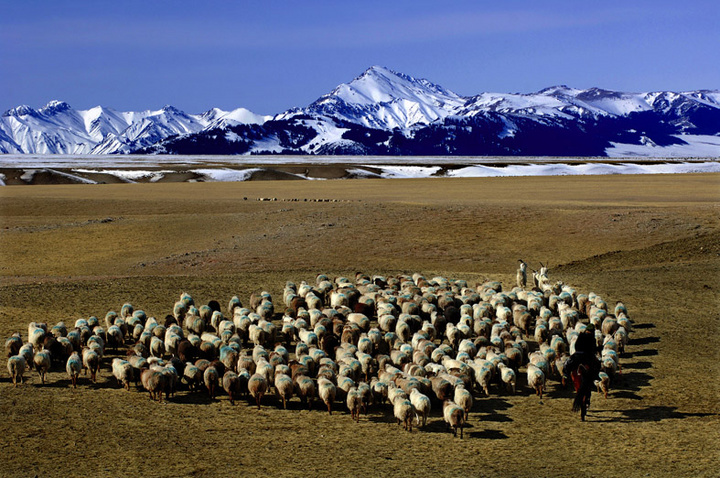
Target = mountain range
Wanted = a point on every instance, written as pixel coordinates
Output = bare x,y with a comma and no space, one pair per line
383,112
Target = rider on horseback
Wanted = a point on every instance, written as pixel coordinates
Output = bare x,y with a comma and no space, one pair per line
583,368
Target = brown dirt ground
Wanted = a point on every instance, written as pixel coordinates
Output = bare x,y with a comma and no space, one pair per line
651,241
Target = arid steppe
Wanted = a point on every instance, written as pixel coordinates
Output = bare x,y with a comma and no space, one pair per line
651,241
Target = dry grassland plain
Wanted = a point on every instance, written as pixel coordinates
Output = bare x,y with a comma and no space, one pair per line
651,241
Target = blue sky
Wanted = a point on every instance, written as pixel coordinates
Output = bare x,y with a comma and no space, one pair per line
269,56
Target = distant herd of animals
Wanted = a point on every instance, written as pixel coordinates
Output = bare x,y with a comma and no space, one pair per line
416,343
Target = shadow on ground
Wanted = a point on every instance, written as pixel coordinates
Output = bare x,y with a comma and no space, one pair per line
648,414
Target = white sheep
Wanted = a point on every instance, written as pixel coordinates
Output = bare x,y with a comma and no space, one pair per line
16,366
403,411
536,379
157,347
354,403
258,386
326,392
42,363
154,382
211,377
507,375
73,367
91,362
193,376
521,276
305,389
463,398
123,372
422,405
454,416
283,388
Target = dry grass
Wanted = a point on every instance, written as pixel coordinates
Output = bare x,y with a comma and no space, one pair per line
651,241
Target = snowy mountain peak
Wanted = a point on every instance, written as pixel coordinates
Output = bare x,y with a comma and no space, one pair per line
382,98
171,109
598,93
382,85
558,90
22,110
55,107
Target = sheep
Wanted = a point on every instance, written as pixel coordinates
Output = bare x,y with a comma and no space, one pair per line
211,377
172,378
379,391
157,347
454,416
13,344
603,383
536,379
16,366
42,363
354,403
91,362
326,392
126,310
464,399
193,376
115,337
621,338
231,385
229,357
484,376
521,277
422,406
507,375
257,386
153,381
73,367
123,372
365,395
403,411
305,389
283,388
36,337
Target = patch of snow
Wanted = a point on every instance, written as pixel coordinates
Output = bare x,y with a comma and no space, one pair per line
128,175
396,172
362,173
28,175
698,146
481,171
226,175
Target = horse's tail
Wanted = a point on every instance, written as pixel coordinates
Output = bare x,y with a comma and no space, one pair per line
577,403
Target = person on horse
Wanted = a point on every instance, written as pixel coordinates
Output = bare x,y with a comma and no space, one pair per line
583,368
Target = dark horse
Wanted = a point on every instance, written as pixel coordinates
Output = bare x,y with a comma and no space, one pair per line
583,368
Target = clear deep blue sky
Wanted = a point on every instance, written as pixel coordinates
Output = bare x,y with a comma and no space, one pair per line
268,56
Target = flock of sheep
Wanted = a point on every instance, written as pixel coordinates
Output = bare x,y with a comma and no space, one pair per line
414,342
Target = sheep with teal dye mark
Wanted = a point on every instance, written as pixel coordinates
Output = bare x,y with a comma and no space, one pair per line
73,367
16,367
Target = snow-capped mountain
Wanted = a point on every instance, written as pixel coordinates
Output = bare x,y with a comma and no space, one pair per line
57,128
382,112
383,99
